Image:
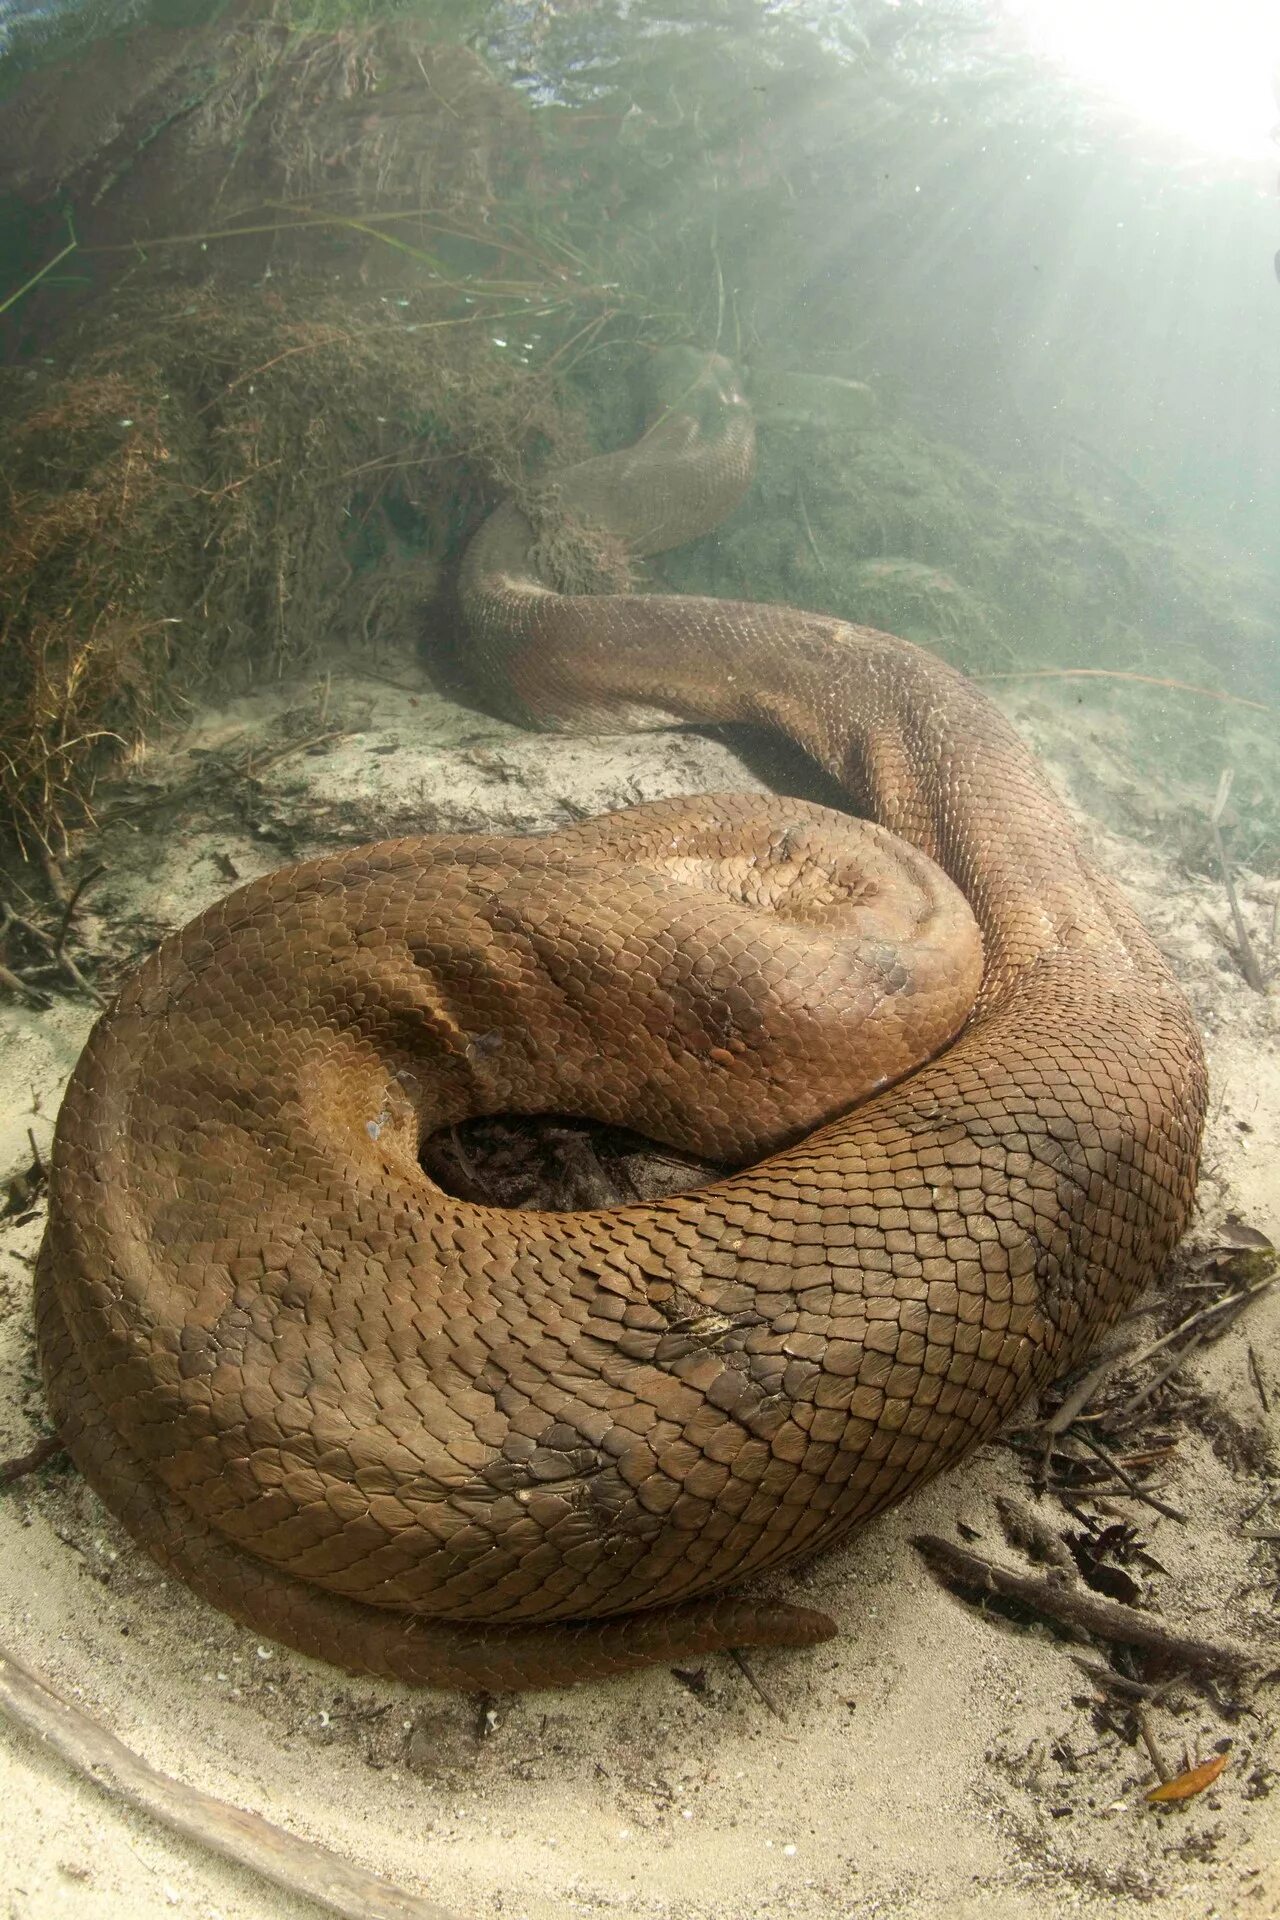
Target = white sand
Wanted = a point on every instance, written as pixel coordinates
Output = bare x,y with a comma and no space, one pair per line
931,1762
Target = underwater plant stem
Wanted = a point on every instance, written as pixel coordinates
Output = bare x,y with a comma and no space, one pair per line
64,929
201,237
48,267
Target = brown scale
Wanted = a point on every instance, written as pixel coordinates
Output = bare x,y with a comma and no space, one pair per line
477,1447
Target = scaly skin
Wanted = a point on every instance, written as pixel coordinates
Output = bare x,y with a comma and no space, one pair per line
471,1447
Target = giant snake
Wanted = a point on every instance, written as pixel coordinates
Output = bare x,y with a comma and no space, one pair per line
472,1446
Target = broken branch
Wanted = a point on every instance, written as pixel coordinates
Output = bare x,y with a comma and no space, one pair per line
302,1867
1076,1606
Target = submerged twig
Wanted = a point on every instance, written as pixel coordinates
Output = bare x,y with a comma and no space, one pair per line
1255,1372
1121,1683
12,299
1122,1473
1248,958
14,983
1076,1606
1148,1736
53,947
1082,1393
743,1665
301,1867
87,880
1231,1304
1229,1307
808,529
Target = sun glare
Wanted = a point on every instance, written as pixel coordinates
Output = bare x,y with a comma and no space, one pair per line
1201,69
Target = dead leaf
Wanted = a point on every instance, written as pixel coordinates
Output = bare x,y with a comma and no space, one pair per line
1184,1786
1239,1234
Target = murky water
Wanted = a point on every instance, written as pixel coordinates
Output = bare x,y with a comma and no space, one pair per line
292,293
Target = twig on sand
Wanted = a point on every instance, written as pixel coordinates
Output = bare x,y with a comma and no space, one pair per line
87,880
14,983
300,1866
57,953
1249,966
1076,1606
743,1665
1147,1734
253,766
808,529
1255,1372
1122,1473
1121,1683
1230,1305
1081,1395
1196,1330
1222,1312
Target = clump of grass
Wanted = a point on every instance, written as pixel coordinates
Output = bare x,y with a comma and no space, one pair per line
325,268
234,482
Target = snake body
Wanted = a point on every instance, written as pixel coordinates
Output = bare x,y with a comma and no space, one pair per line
473,1447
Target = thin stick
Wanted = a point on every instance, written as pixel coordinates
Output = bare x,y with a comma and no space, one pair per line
808,529
715,261
1082,1393
1138,1491
1255,1372
464,1162
743,1665
299,1866
1239,1300
1076,1606
86,987
253,767
14,983
60,958
1120,1683
1248,958
1163,1770
1139,679
95,873
1232,1307
48,267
